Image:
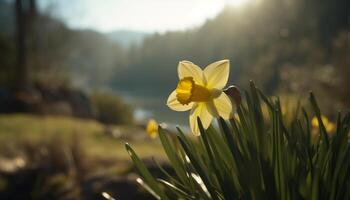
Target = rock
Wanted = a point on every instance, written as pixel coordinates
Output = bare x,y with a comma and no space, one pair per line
41,99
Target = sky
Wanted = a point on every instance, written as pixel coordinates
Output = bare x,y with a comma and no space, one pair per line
136,15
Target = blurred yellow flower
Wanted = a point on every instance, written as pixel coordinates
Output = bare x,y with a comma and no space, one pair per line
201,92
330,126
152,128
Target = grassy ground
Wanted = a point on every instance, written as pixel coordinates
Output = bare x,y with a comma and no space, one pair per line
96,138
78,156
100,162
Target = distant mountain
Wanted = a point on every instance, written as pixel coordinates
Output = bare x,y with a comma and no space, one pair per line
126,38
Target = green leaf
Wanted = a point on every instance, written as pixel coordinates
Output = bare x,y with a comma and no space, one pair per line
320,122
197,165
146,175
176,189
175,161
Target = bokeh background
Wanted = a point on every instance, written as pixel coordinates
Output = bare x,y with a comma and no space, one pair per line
79,78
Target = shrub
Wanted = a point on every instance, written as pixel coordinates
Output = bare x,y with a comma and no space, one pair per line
255,157
111,109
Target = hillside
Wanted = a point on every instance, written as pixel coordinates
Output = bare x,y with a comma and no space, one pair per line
127,38
266,38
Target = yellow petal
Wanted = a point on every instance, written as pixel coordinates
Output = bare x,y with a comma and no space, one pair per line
330,127
174,104
188,69
217,73
222,106
199,110
314,122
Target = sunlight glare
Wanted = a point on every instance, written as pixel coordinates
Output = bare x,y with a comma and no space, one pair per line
236,3
139,15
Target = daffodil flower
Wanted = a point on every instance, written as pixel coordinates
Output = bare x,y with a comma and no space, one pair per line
152,128
201,91
330,126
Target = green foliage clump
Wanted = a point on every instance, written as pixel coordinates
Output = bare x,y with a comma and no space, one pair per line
111,109
256,157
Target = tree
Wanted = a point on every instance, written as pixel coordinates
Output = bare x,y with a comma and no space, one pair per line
24,21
